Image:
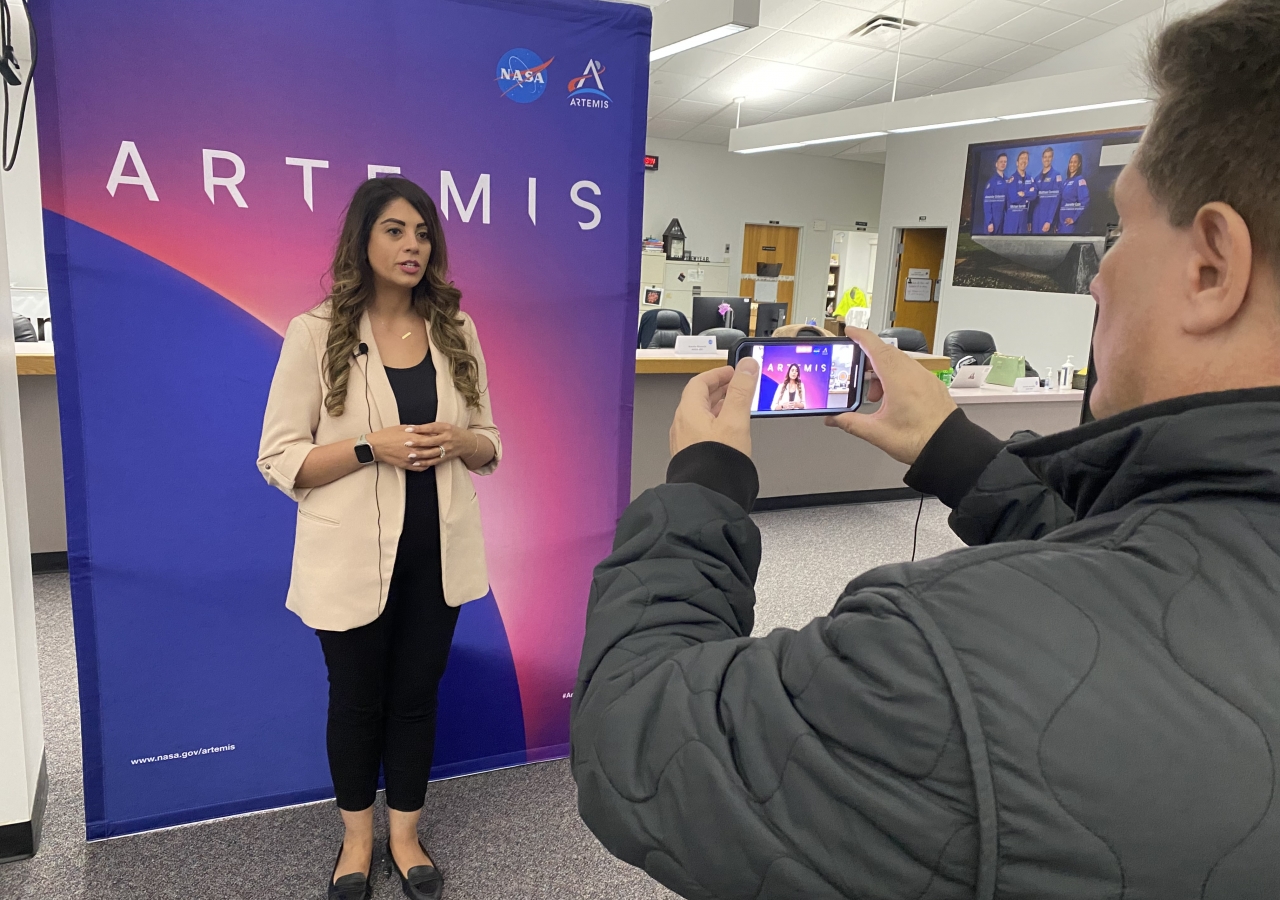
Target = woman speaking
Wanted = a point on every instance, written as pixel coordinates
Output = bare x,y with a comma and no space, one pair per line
378,413
790,394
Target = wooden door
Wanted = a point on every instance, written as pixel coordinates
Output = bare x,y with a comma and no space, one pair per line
921,248
770,244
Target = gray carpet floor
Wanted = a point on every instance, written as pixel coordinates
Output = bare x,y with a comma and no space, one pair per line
507,835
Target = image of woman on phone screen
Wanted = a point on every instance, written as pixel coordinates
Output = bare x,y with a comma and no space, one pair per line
790,394
379,415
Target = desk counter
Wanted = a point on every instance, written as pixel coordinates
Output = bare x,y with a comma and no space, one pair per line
668,362
802,461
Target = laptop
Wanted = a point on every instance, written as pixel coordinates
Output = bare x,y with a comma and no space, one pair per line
970,376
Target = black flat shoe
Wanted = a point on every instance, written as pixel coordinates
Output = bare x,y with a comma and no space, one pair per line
421,882
349,887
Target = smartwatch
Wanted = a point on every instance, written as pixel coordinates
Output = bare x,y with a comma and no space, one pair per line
364,450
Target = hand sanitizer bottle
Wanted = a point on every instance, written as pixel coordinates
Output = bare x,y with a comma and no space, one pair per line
1067,375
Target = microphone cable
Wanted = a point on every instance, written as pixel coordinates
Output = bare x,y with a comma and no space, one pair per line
363,350
915,535
9,73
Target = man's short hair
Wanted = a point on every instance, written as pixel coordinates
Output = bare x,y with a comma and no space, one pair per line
1000,156
1216,125
1024,153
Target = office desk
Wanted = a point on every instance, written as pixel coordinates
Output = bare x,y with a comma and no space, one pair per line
802,461
668,362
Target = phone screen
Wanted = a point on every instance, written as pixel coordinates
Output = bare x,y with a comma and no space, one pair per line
805,377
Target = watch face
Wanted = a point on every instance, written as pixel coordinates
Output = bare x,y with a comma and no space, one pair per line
364,453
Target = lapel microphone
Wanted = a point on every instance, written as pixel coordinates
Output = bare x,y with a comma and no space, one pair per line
362,349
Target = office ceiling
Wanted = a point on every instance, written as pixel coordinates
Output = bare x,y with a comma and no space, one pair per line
804,58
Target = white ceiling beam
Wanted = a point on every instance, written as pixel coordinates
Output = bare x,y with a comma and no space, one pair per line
1033,97
680,25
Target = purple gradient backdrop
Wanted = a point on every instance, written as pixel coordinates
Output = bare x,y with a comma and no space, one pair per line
405,83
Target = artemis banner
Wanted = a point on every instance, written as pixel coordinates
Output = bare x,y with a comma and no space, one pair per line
196,160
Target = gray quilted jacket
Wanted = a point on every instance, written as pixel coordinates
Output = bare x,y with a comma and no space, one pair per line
1085,703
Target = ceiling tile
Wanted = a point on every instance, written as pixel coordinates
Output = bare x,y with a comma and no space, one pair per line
707,134
983,15
742,41
934,40
772,103
885,94
700,62
1034,24
756,77
1079,7
841,57
886,65
850,87
658,104
976,79
813,104
780,13
936,73
672,84
668,128
1023,58
787,47
936,10
982,50
728,117
690,111
869,6
1074,35
1127,10
827,20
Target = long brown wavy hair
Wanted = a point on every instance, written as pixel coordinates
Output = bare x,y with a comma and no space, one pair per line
435,298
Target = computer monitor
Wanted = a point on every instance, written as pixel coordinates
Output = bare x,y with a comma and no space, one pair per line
769,318
706,313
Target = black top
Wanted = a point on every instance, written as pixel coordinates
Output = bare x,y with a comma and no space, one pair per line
415,391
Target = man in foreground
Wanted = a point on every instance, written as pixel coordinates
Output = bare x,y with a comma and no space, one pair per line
1086,702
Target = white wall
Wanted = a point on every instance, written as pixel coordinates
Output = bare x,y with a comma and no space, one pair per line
21,734
924,176
22,184
714,193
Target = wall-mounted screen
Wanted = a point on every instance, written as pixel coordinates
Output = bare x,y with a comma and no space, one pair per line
1035,211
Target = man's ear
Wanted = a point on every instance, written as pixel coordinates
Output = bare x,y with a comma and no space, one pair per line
1219,270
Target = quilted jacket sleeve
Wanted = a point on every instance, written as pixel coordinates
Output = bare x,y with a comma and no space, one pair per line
818,763
993,496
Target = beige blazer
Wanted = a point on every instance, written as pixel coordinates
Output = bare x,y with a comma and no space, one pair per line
345,544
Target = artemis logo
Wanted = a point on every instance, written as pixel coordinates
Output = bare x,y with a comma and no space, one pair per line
587,90
522,75
226,170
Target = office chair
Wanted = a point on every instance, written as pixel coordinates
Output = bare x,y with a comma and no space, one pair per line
23,330
648,324
668,325
908,339
726,338
975,344
791,331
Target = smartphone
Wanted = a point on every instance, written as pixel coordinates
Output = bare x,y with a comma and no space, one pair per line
805,376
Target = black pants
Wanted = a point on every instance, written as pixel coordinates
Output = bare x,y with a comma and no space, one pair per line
383,681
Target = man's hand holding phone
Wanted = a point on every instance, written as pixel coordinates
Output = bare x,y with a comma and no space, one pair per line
915,402
716,406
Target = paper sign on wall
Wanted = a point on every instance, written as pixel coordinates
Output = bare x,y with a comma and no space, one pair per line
919,290
918,273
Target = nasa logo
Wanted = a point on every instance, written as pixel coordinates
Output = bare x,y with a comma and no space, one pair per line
522,75
587,91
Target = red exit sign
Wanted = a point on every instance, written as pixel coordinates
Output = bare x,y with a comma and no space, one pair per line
651,163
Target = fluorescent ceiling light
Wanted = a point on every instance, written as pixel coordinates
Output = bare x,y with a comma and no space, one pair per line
1071,109
768,149
832,140
697,40
942,125
846,137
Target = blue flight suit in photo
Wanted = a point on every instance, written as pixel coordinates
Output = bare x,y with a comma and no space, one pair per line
994,199
1048,196
1075,200
1021,193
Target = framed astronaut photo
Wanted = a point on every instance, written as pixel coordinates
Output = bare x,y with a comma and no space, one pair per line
1035,211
